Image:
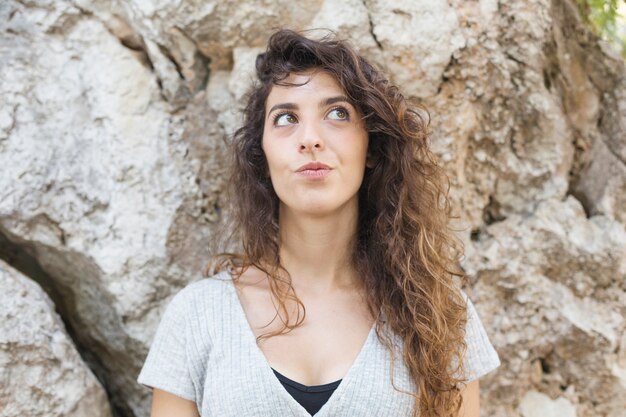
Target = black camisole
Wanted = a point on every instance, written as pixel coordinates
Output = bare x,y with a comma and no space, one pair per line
312,398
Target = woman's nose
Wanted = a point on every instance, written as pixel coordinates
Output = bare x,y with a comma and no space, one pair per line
311,138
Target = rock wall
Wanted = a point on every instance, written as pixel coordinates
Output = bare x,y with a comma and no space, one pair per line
112,124
41,371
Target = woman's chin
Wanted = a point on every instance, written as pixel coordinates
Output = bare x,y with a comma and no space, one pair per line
318,208
315,210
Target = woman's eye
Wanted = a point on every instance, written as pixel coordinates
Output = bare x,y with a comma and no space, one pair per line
339,114
285,119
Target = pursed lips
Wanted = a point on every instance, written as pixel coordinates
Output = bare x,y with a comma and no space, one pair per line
313,166
314,170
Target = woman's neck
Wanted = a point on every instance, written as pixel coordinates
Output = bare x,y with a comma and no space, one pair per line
317,251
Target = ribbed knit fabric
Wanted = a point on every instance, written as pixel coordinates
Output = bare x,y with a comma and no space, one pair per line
204,350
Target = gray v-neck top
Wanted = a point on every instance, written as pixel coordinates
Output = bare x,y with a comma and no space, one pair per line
205,351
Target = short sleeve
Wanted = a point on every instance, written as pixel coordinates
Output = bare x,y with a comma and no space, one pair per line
166,366
480,357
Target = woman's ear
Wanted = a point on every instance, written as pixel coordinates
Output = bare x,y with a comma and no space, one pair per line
370,161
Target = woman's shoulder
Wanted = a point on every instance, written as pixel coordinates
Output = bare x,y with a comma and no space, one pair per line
205,289
199,301
185,336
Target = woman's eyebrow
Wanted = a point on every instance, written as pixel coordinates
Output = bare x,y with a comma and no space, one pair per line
293,106
284,106
333,100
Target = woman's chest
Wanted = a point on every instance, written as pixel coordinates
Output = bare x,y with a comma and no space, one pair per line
240,382
319,350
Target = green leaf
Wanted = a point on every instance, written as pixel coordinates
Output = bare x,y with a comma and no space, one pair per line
606,18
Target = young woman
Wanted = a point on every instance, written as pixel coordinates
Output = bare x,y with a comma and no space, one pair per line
345,299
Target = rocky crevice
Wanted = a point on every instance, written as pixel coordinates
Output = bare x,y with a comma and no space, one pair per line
20,257
23,256
371,26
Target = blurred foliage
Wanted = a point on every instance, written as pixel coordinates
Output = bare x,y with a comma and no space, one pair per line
607,18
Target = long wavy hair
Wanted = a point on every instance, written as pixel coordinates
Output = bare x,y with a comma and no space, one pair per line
404,252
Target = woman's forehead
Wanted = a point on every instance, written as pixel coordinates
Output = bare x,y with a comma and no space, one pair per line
305,84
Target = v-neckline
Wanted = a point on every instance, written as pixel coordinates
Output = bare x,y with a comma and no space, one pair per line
268,372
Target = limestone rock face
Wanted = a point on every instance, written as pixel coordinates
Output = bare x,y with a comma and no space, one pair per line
41,372
99,182
417,39
535,404
551,286
114,117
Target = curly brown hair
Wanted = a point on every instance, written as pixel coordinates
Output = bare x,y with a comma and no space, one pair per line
405,252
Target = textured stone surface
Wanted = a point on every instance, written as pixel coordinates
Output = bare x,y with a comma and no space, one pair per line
417,39
537,404
112,121
41,372
99,180
551,287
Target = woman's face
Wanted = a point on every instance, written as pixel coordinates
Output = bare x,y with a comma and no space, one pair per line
315,144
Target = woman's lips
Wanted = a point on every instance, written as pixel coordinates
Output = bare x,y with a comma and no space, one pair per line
313,166
314,173
314,170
